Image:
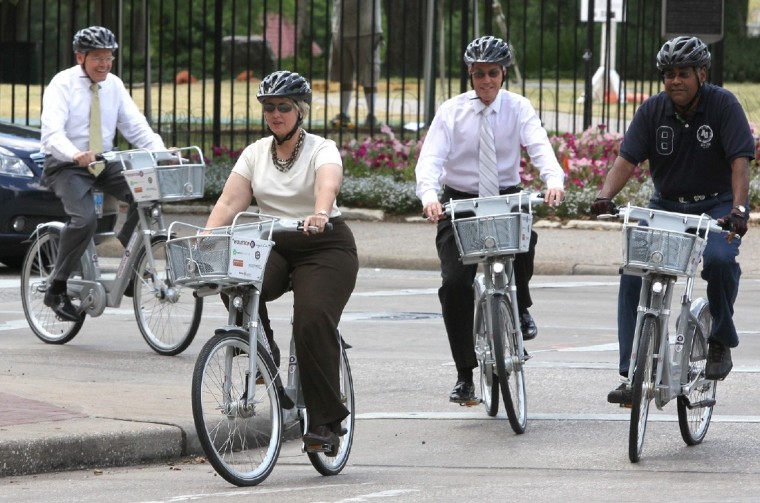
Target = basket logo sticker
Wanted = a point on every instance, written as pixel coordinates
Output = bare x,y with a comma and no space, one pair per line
705,136
237,262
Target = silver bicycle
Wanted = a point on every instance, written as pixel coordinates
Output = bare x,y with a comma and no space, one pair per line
167,315
662,247
491,231
241,408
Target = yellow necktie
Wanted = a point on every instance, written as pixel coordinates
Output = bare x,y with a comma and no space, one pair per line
96,135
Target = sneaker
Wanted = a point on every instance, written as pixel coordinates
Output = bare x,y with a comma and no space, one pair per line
61,306
463,393
621,395
342,120
719,362
528,326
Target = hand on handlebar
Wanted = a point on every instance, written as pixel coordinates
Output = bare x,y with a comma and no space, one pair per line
735,222
433,212
603,206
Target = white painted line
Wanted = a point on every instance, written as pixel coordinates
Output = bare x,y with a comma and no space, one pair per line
480,416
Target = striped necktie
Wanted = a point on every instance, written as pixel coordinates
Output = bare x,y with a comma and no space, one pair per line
488,173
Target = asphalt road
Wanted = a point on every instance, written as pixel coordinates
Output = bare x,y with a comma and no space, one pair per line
411,445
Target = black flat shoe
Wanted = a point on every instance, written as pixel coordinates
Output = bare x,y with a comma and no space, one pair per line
462,393
321,439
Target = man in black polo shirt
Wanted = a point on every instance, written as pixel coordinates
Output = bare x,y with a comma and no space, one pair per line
698,143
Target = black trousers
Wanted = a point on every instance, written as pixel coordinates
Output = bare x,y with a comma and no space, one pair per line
457,294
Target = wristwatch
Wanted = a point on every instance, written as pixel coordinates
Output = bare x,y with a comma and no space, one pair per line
740,208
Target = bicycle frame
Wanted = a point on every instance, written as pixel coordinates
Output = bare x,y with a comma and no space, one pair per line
94,292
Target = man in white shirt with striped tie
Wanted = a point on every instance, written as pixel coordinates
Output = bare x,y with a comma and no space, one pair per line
456,146
77,97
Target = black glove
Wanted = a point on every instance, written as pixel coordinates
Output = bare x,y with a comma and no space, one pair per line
603,206
736,222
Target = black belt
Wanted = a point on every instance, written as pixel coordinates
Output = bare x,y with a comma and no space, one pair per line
695,198
452,193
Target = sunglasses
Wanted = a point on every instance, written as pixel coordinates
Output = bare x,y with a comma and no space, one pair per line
492,73
283,108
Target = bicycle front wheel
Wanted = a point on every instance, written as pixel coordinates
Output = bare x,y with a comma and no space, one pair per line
643,387
489,382
36,274
509,363
332,465
168,318
695,409
241,439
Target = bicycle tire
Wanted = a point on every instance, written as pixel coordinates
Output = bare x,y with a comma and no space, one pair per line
695,409
332,465
36,273
643,387
509,364
242,445
168,320
489,382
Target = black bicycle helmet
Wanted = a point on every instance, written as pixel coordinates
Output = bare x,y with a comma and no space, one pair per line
488,49
94,37
683,52
284,84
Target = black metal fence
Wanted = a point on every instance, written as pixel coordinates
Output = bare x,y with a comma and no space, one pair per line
194,65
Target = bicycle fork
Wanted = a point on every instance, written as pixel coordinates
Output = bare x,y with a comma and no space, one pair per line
654,300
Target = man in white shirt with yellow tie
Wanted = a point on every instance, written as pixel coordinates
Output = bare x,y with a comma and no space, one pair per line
451,159
69,107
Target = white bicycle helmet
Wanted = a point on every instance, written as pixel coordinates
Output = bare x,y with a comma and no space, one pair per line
488,49
94,37
284,84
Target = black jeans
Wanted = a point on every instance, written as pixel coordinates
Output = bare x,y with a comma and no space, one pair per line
457,294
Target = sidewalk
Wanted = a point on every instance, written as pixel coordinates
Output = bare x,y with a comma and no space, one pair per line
37,436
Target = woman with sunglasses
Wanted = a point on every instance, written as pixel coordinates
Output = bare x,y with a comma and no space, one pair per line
297,175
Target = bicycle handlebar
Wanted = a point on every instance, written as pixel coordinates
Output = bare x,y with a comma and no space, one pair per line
520,202
668,220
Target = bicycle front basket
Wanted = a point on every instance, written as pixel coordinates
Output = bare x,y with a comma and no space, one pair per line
646,249
485,236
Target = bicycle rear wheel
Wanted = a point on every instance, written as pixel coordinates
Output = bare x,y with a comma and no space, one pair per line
332,465
36,274
643,387
489,382
241,441
695,409
509,363
168,319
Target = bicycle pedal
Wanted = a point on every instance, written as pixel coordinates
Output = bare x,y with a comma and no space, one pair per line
329,450
471,403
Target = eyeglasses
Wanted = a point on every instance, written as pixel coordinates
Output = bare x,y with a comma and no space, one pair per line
492,73
681,74
102,59
283,108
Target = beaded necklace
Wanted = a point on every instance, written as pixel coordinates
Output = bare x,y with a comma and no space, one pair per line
284,165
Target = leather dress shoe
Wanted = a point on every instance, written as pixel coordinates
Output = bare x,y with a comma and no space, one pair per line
621,395
528,326
463,393
61,306
321,439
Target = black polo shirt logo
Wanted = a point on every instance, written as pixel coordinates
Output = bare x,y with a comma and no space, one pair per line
705,136
664,140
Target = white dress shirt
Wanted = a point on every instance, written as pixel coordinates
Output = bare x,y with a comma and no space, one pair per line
66,115
449,154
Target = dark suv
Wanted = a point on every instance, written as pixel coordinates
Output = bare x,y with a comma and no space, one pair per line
24,202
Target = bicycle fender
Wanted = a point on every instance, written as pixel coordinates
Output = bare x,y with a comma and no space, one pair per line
42,228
